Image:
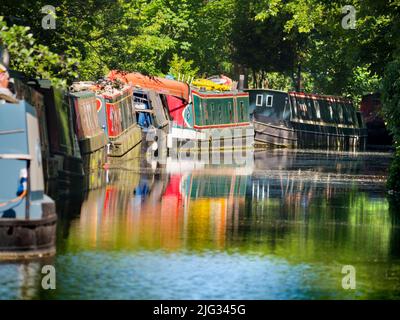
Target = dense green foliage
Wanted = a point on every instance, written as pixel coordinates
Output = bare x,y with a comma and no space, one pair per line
282,44
35,59
391,103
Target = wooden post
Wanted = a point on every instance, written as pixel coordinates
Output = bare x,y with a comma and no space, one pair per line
28,191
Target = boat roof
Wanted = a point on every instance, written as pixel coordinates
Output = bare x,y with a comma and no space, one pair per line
265,89
210,94
303,94
319,96
159,85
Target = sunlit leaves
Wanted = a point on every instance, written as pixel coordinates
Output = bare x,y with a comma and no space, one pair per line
35,60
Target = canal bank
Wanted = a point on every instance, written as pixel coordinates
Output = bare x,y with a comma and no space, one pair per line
279,227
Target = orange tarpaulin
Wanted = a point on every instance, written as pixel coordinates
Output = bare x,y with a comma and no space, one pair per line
160,85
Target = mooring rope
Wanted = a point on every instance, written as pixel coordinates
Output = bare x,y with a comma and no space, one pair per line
19,198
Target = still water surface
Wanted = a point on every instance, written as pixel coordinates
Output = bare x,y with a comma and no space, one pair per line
280,226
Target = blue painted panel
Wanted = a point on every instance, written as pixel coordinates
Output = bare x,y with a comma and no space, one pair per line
13,137
10,181
101,112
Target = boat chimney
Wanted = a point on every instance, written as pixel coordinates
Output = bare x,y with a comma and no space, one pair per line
241,82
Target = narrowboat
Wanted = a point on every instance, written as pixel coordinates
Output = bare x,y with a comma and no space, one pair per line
198,118
299,120
27,215
72,141
149,109
92,139
65,165
117,116
371,108
153,119
36,99
211,120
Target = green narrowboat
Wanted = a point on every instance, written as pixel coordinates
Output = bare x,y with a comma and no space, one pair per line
299,120
212,120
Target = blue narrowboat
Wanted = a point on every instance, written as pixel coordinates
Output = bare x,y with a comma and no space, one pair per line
27,215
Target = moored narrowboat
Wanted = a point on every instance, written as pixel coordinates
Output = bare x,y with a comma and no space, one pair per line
65,165
117,117
299,120
371,109
92,139
27,215
212,120
199,119
221,117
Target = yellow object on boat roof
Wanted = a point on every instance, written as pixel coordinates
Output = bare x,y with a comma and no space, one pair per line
210,85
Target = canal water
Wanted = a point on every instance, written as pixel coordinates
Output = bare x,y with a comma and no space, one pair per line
279,225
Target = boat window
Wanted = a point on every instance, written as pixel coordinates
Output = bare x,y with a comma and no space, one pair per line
241,111
340,108
270,100
213,114
220,113
206,114
330,110
200,113
294,106
259,100
286,112
302,108
309,104
360,119
317,109
230,112
347,112
351,114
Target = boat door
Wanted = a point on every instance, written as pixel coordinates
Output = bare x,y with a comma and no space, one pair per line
144,114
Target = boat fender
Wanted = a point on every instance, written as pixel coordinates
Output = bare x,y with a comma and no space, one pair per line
23,181
154,145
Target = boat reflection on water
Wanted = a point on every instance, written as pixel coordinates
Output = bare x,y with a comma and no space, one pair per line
22,279
201,206
302,223
163,210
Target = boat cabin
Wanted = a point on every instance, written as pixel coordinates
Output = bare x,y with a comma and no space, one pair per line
218,109
117,117
292,119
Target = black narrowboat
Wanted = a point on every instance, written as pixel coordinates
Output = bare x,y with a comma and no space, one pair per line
309,121
371,108
65,166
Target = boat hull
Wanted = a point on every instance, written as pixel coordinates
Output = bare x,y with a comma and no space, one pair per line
23,238
211,139
128,140
309,136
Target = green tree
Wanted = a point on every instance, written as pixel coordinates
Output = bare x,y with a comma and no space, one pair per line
33,59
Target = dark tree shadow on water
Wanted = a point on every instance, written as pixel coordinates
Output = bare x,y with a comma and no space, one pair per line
394,209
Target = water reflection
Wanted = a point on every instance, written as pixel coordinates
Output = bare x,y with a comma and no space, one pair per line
280,227
22,280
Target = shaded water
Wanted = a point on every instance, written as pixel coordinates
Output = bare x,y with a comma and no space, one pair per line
280,226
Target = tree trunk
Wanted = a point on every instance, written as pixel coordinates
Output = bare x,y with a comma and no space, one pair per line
299,86
262,79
